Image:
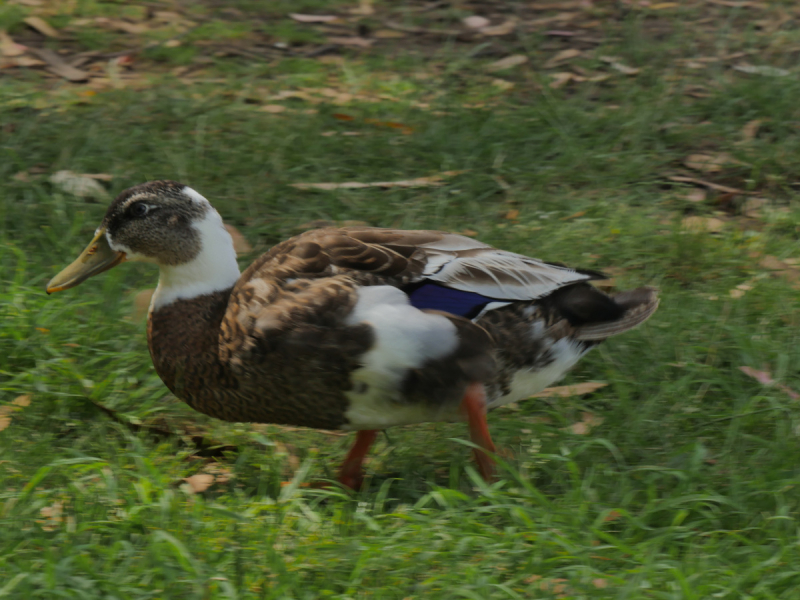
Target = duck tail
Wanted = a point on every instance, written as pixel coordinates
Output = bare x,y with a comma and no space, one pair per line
635,307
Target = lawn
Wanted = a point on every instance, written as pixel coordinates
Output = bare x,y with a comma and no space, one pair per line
656,141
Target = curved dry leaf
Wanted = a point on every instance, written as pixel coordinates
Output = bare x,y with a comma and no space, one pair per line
9,47
562,56
507,63
200,482
41,26
565,391
240,243
750,129
23,400
709,163
272,108
301,18
703,224
765,70
4,422
475,22
83,186
432,180
504,28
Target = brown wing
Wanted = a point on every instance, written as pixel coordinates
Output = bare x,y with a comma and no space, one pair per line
312,279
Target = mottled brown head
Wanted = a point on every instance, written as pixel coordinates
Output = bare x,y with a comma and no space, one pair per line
152,222
165,223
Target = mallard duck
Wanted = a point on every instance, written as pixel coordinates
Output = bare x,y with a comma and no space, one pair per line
353,328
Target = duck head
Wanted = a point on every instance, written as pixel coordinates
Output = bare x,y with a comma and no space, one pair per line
165,223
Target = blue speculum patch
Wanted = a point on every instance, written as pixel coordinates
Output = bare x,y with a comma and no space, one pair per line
456,302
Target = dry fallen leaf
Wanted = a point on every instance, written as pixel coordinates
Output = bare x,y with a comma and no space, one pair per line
240,243
663,5
562,56
696,195
357,42
9,47
200,482
703,224
79,185
507,63
23,400
765,378
432,180
4,422
503,29
765,70
41,26
300,18
585,425
272,108
57,65
708,184
565,391
475,22
563,78
709,163
750,129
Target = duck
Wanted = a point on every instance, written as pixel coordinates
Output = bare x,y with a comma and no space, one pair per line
351,328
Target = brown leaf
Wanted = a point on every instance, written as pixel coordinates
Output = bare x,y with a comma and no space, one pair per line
565,391
9,47
357,42
433,180
79,185
4,422
475,22
664,5
386,34
600,583
23,400
764,70
507,63
561,57
580,213
56,65
240,243
709,163
272,108
625,69
508,26
696,195
512,215
708,184
773,263
764,378
703,224
562,79
42,27
300,18
200,482
585,425
750,129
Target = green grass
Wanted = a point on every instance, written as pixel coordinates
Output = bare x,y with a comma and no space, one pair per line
688,488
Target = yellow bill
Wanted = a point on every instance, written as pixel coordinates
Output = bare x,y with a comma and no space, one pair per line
96,258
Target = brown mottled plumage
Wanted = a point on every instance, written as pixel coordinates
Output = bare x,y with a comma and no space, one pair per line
319,332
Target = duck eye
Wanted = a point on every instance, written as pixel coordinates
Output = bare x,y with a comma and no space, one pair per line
139,209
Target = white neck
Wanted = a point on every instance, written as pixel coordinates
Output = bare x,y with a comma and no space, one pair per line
212,270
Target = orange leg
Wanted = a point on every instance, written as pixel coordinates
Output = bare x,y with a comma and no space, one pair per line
350,474
474,404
